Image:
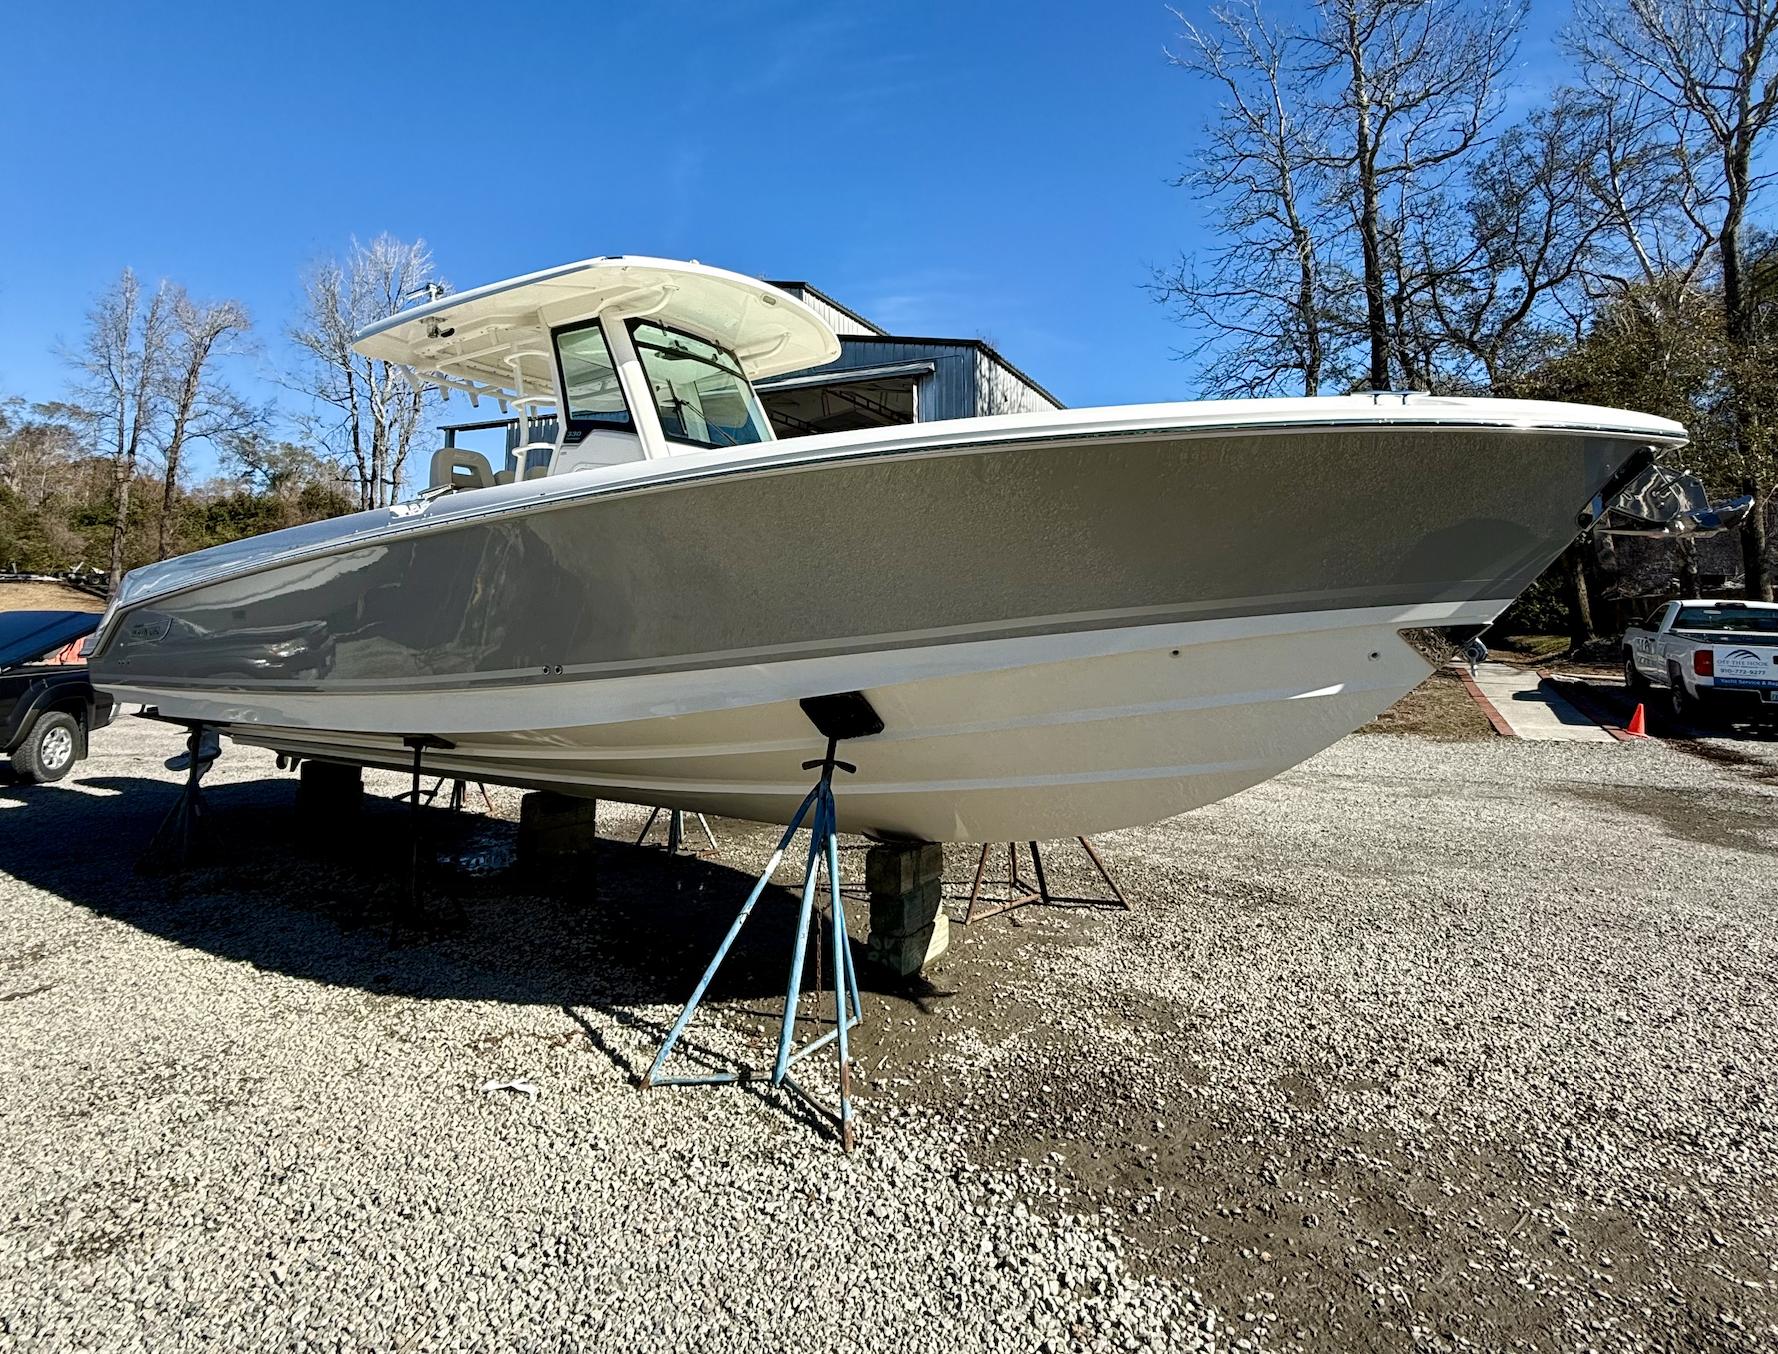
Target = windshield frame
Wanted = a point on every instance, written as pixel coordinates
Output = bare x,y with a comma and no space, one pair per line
574,430
730,366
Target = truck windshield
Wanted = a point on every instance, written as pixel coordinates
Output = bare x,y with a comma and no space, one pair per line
699,389
1740,620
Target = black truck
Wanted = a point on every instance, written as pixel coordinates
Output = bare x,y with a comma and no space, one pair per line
48,707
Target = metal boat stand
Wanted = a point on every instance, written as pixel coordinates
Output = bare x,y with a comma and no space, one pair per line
823,848
411,911
1022,894
187,823
676,837
459,791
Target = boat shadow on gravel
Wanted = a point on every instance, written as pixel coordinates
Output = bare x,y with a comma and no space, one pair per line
624,927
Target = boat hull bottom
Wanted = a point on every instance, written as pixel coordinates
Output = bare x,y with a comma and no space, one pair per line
1156,722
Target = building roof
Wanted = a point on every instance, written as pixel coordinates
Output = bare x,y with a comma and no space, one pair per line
811,290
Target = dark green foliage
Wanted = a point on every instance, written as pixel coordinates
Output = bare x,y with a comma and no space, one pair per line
1543,608
56,498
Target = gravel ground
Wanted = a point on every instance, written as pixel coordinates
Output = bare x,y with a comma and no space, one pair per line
1422,1045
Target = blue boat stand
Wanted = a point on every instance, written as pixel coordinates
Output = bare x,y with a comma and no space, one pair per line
823,849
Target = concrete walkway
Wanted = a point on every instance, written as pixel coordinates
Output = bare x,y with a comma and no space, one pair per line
1531,709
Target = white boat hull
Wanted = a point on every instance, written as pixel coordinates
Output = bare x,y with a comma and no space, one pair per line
1028,738
1067,622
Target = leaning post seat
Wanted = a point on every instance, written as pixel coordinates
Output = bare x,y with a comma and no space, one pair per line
522,456
459,468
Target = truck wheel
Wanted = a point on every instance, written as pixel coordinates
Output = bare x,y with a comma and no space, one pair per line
48,752
1683,708
1633,678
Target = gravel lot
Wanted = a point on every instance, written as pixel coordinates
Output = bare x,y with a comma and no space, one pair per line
1424,1045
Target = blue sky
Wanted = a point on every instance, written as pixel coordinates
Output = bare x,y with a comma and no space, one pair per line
944,168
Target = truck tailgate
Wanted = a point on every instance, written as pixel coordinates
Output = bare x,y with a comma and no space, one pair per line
1747,666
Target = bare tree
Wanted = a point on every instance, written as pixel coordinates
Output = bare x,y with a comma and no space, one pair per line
367,412
38,445
1642,179
200,406
1706,73
1514,289
1424,240
280,467
1335,164
1262,164
1413,86
123,361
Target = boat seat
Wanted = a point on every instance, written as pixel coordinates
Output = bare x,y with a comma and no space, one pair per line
523,455
460,468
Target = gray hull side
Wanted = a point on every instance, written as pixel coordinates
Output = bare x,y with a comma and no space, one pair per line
882,553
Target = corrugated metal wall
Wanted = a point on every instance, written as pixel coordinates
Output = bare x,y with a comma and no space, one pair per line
966,381
837,320
1000,390
948,391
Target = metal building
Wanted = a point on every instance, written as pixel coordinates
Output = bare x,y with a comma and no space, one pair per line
882,378
878,380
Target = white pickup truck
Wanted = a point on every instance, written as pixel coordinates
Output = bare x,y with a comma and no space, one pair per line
1711,656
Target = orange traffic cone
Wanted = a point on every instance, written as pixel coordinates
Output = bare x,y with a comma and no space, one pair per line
1637,727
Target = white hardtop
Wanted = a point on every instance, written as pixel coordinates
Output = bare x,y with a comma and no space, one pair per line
493,342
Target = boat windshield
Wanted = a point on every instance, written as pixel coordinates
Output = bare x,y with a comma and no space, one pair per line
595,400
699,389
1725,619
